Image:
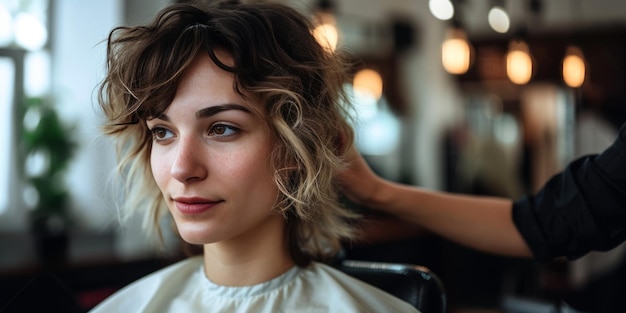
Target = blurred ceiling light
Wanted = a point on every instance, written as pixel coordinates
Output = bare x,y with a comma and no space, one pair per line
506,129
37,73
326,32
368,81
30,32
365,106
380,134
519,65
441,9
456,52
498,19
574,67
6,26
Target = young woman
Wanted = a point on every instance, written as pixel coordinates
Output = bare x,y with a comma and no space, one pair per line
230,117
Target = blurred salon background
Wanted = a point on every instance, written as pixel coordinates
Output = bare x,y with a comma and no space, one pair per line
487,97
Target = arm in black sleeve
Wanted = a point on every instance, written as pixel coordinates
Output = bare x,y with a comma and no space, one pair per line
579,210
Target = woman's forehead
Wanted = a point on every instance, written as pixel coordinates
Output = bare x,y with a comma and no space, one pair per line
204,72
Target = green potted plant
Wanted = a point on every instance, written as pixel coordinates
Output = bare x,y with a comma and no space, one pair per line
47,149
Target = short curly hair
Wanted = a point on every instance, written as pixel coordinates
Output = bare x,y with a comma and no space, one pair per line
277,59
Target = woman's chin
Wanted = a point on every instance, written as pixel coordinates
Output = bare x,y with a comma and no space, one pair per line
195,236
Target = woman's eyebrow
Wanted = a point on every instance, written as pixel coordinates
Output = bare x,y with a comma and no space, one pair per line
163,117
208,111
212,110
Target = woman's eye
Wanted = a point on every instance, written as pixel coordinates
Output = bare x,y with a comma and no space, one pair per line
223,130
160,133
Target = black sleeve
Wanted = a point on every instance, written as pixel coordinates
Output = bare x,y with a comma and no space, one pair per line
579,210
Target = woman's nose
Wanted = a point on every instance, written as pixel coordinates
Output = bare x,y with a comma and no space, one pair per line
188,165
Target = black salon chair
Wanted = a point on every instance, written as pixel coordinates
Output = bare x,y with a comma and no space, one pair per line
412,283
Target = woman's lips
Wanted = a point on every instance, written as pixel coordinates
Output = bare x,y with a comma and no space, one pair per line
190,206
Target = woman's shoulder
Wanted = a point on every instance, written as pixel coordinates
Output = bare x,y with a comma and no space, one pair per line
163,284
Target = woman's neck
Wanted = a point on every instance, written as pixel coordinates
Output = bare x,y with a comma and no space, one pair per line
249,258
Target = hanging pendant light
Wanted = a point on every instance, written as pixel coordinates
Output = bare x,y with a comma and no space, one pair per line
519,65
499,19
325,31
574,67
456,52
369,82
441,9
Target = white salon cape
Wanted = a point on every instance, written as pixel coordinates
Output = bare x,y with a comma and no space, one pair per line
183,287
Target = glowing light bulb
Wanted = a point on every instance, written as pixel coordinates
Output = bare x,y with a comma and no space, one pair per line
441,9
574,67
456,52
326,32
519,65
499,20
30,32
370,82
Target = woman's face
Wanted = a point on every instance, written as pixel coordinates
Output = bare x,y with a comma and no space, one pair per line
211,159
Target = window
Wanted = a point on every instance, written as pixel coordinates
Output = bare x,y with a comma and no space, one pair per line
24,73
7,77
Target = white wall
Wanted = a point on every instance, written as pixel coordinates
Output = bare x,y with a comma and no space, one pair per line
78,65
